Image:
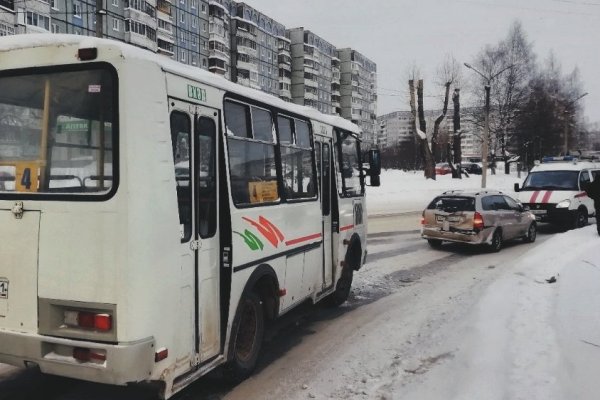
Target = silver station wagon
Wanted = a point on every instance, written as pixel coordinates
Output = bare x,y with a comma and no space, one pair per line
484,217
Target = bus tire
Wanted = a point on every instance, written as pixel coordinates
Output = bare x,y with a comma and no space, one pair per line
247,336
342,288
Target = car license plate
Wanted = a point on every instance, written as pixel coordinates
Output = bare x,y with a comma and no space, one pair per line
3,288
440,218
539,212
446,226
454,219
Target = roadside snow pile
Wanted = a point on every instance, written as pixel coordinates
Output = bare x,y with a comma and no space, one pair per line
409,191
536,332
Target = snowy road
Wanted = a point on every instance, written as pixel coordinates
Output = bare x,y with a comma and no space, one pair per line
395,331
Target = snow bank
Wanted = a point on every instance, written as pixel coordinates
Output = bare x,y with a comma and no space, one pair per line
409,191
531,339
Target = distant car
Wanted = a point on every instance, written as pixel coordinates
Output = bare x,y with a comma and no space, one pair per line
477,218
472,168
442,169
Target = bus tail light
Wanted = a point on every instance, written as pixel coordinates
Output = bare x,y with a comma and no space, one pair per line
477,222
90,53
89,320
161,354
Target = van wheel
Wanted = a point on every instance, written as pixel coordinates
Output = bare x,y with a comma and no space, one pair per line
247,336
496,244
531,233
580,219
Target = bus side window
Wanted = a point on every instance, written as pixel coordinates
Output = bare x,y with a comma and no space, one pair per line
326,179
180,140
207,187
251,150
296,162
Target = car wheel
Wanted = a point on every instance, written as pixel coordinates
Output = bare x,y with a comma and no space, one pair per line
435,243
247,336
580,219
496,244
531,233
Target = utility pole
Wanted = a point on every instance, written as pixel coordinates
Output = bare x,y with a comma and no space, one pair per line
486,129
100,12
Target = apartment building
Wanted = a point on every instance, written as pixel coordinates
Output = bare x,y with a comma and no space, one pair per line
358,89
259,52
311,69
396,128
219,42
226,37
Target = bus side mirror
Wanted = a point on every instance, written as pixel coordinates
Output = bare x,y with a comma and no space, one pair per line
374,163
517,187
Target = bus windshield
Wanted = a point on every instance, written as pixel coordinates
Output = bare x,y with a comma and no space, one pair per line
552,180
57,130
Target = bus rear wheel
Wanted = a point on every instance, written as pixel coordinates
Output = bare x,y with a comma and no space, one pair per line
247,336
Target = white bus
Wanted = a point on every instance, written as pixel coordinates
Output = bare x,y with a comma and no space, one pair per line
153,216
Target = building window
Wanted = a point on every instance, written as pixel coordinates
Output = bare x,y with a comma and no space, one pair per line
194,22
182,56
77,10
115,24
55,28
35,19
53,4
115,3
203,8
6,30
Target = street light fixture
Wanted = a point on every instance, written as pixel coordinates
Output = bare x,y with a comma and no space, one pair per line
486,129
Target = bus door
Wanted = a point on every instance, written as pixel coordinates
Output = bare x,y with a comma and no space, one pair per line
194,140
323,155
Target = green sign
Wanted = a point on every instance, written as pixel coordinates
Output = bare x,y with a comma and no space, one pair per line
196,93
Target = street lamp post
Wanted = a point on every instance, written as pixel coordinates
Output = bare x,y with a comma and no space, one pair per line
486,128
566,145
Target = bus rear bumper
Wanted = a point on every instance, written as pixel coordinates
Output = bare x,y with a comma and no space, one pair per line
125,362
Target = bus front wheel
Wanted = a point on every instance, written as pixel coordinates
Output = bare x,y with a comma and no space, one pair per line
342,288
247,336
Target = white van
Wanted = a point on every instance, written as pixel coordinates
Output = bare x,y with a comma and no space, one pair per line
553,190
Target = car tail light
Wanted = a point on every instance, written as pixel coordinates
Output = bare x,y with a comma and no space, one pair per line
89,320
423,218
477,222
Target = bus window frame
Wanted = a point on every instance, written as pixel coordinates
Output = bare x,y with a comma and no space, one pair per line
83,197
338,149
275,113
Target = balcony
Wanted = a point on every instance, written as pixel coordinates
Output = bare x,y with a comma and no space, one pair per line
247,66
311,83
311,95
285,94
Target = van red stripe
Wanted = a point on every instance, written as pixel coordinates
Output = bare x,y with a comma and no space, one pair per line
534,196
347,227
547,196
582,194
302,239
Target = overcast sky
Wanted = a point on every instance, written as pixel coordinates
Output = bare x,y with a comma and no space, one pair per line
399,33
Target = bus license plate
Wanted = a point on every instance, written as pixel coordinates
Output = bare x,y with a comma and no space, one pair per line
3,288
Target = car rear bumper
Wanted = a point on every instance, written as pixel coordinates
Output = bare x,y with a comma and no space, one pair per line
469,237
125,362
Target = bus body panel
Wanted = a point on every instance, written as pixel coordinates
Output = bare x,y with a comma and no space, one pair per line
18,275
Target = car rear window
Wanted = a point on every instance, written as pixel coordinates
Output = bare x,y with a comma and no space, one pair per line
452,203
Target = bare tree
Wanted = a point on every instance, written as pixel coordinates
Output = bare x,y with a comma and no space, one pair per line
509,90
420,130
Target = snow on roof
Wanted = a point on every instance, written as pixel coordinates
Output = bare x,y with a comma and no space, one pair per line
14,42
565,166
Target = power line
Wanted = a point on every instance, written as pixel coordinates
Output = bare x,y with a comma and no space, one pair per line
548,10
